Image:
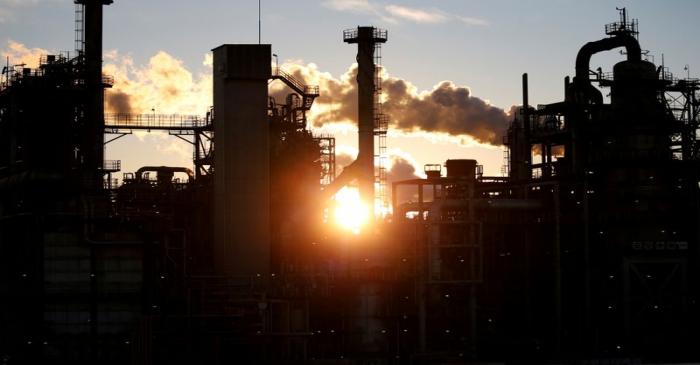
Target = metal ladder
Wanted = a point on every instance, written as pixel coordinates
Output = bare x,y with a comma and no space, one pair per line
79,28
381,123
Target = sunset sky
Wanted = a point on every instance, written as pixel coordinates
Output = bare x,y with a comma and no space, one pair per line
156,46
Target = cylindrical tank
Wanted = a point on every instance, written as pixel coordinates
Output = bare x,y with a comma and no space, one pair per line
636,84
634,97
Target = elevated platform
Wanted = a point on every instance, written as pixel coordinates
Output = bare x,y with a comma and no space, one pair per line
365,34
125,121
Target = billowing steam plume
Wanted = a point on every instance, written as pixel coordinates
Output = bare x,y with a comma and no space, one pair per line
446,108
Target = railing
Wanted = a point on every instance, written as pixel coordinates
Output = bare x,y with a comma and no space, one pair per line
107,80
296,84
278,72
622,27
52,59
154,121
377,34
666,74
605,76
112,165
432,167
311,90
110,184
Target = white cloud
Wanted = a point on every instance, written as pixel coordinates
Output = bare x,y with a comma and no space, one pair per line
416,15
355,6
393,13
472,21
164,84
20,54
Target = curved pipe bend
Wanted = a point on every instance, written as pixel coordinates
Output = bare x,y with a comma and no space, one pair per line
583,59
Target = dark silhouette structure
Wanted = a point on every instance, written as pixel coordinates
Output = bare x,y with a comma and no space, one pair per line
586,252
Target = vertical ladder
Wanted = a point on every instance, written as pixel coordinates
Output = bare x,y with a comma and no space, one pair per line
380,131
79,29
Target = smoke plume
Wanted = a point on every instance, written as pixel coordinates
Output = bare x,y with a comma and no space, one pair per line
447,108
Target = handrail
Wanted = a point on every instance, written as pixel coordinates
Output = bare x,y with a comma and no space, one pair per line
295,83
108,80
622,27
112,165
154,121
377,33
278,72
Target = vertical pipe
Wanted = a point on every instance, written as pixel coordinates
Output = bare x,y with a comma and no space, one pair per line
259,24
92,148
527,148
422,262
526,106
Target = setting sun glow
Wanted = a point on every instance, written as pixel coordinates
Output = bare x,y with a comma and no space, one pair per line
350,212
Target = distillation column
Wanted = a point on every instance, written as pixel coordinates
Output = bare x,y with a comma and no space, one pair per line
92,138
367,38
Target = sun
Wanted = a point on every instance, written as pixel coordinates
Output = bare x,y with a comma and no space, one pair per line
350,212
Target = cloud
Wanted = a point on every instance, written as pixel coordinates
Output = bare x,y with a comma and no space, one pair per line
472,21
164,84
393,13
178,148
19,53
355,6
416,15
446,108
404,167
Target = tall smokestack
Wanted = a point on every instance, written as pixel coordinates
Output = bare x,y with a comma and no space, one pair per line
366,38
92,149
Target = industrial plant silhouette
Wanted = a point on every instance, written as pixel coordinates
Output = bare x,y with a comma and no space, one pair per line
585,251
